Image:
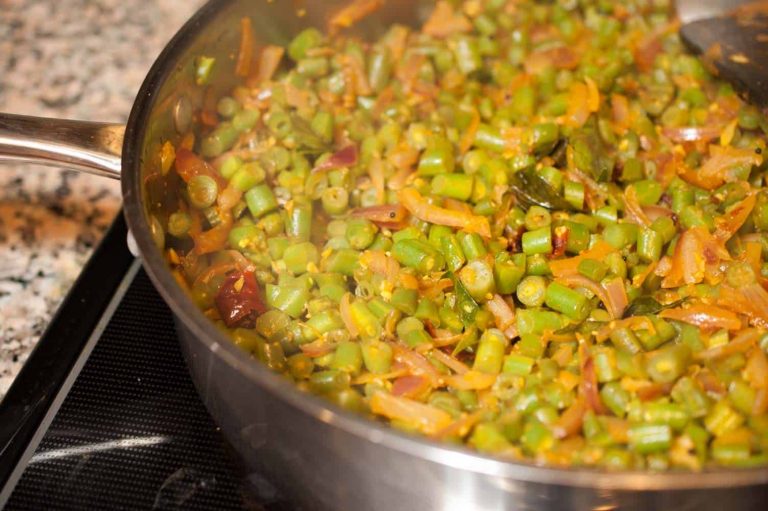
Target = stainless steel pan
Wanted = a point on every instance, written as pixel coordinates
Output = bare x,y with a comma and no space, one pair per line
321,456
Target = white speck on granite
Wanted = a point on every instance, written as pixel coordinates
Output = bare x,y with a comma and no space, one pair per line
80,59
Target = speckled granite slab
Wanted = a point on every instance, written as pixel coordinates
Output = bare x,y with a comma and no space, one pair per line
82,59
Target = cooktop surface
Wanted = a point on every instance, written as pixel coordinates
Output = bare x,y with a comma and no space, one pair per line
105,416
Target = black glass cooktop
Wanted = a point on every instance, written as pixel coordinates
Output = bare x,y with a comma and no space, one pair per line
105,416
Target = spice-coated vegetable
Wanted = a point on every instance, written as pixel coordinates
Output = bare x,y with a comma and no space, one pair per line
535,228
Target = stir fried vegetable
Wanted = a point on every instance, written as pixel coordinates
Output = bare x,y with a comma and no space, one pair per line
536,228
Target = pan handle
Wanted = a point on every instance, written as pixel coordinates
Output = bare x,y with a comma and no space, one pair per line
91,147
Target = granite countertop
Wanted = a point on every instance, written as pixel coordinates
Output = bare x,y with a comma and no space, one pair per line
82,59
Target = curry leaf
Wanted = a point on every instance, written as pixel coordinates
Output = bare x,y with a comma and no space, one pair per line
531,189
590,153
647,305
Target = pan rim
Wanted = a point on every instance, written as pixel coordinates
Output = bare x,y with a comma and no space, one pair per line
205,332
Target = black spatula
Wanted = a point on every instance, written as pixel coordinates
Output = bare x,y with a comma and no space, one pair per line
732,36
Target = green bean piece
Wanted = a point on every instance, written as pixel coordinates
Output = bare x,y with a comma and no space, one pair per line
543,137
202,191
438,158
300,366
405,300
455,186
507,276
260,200
179,224
488,438
621,235
535,321
531,291
203,69
229,166
219,140
245,120
667,364
300,256
538,241
649,245
344,261
247,176
518,365
323,125
593,269
331,380
379,68
348,357
467,55
489,138
418,255
360,233
289,299
298,222
537,218
313,67
364,320
625,339
650,438
478,280
306,40
578,237
227,107
648,192
567,301
377,356
574,193
472,245
615,398
454,255
335,200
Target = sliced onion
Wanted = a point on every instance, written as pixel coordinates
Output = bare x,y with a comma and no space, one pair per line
633,208
245,52
697,253
502,312
445,21
378,262
410,386
318,348
756,372
346,157
588,388
346,314
468,137
578,106
739,344
620,112
704,316
570,422
269,60
417,363
646,52
613,295
750,300
462,426
692,133
352,13
189,165
565,267
418,206
428,419
731,222
452,363
719,167
471,380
